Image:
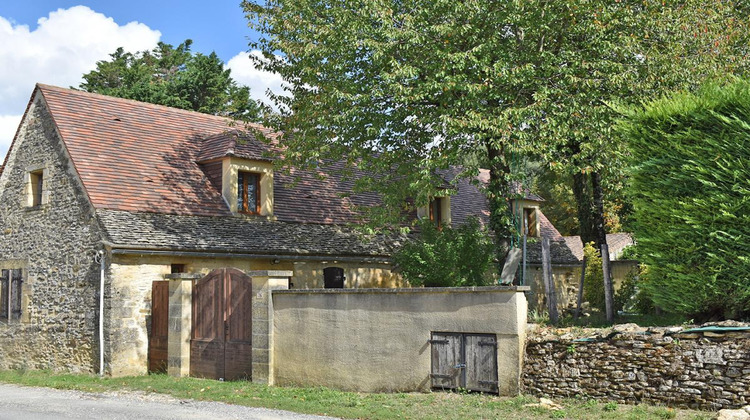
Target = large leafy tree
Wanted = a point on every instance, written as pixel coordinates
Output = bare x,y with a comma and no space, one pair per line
173,76
404,88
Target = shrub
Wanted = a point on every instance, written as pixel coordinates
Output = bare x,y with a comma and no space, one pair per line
690,191
632,296
459,256
593,282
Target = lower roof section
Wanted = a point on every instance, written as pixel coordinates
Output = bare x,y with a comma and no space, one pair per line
239,236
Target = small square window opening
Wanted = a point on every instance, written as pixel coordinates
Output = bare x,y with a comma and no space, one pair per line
37,187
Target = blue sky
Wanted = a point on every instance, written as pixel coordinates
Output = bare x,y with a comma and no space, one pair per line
215,25
57,41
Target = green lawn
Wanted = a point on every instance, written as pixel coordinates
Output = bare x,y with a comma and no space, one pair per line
436,405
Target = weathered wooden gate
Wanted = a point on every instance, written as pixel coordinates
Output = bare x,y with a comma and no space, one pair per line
157,340
221,340
467,361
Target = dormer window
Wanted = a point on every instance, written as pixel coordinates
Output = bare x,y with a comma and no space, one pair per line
246,185
436,211
248,192
530,222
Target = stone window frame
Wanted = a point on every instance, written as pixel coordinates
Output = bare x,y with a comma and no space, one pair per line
13,276
36,180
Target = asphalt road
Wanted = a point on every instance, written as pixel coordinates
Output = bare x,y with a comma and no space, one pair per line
29,403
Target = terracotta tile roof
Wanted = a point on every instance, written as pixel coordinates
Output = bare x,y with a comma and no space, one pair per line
143,158
135,156
471,201
140,157
548,229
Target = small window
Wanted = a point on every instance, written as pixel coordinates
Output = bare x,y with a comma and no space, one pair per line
10,294
436,214
248,192
36,181
178,268
333,278
530,222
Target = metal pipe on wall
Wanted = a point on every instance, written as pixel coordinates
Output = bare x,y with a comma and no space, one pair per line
100,257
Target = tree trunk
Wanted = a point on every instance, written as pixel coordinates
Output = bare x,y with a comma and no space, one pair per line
590,204
582,194
549,282
498,193
600,233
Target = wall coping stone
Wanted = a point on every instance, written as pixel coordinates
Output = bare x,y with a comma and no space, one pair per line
183,276
490,289
270,273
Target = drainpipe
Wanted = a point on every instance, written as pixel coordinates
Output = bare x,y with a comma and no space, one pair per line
100,257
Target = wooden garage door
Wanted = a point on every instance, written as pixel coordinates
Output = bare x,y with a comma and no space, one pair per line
221,343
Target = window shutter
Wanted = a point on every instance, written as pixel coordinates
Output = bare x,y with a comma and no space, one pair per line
4,283
15,290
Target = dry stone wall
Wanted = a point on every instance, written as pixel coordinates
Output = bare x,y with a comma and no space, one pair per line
665,366
54,244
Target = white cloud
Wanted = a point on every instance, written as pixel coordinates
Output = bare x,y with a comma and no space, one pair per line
259,81
8,126
65,45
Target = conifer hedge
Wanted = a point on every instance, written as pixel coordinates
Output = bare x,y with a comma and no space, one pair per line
690,190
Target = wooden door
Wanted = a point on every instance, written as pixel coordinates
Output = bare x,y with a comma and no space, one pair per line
221,345
447,372
157,340
239,326
467,361
480,352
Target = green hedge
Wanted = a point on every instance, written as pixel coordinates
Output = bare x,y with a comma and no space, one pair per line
690,189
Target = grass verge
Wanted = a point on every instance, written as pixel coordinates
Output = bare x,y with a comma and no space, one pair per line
435,405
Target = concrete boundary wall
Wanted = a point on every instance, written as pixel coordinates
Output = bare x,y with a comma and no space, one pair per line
374,340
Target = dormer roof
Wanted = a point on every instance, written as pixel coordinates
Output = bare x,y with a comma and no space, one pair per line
237,143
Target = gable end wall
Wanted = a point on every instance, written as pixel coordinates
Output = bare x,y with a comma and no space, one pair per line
55,245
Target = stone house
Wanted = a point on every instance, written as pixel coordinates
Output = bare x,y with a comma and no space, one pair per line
108,206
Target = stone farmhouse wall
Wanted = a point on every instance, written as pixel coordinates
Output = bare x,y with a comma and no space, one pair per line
55,245
657,366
